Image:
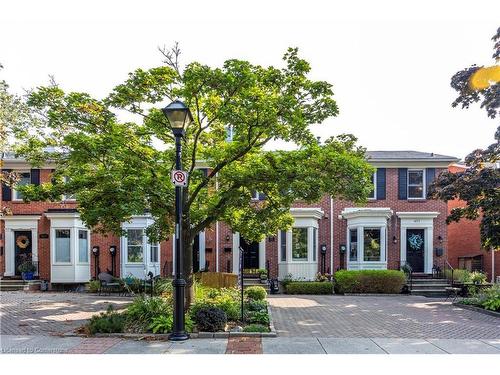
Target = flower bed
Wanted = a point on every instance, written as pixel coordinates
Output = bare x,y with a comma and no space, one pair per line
488,299
214,310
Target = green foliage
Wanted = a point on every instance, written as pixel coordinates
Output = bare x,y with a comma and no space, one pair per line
133,284
309,287
256,305
369,281
145,309
115,171
164,324
477,277
256,328
162,286
108,322
478,185
94,286
258,317
26,266
226,299
488,299
459,275
322,277
256,293
210,319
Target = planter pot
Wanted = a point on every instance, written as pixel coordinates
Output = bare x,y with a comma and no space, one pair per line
27,275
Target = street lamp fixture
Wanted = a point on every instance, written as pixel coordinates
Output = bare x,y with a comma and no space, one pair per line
179,116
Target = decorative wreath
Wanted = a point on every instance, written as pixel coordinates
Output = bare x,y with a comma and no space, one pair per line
415,241
22,242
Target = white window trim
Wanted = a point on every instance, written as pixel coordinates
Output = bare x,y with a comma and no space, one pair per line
14,191
424,190
361,244
144,247
150,246
71,246
374,197
88,246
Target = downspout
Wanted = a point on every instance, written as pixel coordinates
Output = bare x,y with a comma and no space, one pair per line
492,265
331,235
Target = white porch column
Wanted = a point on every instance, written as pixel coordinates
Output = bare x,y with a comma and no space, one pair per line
236,253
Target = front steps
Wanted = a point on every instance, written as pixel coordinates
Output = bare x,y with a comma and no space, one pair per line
18,285
428,286
254,280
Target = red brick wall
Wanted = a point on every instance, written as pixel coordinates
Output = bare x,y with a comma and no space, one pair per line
465,238
393,228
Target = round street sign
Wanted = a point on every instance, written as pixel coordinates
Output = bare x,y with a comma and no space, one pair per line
179,178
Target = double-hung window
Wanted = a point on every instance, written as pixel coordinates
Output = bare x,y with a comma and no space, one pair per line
373,181
63,246
353,245
371,245
416,184
67,197
83,246
154,252
135,246
299,244
24,179
283,246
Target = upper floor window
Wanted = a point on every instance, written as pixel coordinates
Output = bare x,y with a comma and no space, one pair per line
229,133
416,184
24,179
67,197
373,194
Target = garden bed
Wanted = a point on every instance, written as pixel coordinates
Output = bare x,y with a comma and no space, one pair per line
477,309
216,312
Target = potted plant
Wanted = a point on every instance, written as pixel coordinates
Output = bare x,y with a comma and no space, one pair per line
262,274
27,270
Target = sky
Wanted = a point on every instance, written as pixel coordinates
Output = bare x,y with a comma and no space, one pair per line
390,62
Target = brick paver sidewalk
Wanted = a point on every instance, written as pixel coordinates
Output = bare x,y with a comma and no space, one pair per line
378,316
244,345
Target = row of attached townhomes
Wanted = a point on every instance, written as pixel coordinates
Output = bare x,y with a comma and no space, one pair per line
397,225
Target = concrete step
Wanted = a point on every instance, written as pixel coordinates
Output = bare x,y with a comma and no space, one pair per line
429,292
15,284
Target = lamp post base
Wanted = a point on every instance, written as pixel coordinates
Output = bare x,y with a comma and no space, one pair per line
178,336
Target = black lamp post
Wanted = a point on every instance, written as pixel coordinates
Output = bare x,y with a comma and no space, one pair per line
112,251
95,251
179,117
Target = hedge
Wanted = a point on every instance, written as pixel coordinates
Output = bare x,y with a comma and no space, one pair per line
309,287
369,281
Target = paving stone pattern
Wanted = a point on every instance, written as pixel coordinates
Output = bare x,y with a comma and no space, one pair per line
51,313
378,316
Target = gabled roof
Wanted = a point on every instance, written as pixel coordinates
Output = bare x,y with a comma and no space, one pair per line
409,155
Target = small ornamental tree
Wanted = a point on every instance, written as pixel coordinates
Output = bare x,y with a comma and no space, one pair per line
479,184
119,168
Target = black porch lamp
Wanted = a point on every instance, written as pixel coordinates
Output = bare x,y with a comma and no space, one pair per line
179,116
112,251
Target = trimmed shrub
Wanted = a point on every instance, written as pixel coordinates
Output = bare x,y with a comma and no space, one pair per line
226,299
108,322
369,281
210,319
255,328
309,287
256,293
258,317
253,305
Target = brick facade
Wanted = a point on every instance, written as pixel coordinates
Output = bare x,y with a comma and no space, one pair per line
219,237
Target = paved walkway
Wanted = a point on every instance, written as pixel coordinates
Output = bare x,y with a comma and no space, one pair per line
281,345
51,313
412,317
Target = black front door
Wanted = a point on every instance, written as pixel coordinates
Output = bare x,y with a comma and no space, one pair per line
415,245
22,248
250,254
196,253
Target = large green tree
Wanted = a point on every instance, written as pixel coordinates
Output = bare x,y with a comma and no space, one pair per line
479,184
120,168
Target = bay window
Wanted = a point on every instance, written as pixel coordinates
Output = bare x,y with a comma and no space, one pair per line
353,245
299,244
371,245
416,183
63,246
83,246
134,246
283,246
154,252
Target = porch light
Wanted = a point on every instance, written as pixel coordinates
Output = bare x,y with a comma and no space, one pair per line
227,237
394,240
440,239
112,250
95,250
178,115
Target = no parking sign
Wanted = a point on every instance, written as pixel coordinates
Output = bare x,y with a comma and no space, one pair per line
179,178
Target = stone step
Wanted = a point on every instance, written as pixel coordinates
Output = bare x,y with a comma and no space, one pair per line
429,292
16,284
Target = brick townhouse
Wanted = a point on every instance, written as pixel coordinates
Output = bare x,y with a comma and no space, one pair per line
465,242
397,225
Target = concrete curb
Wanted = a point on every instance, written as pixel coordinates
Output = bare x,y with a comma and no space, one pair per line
477,309
375,295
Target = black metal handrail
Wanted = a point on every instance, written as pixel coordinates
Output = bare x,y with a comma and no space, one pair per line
448,275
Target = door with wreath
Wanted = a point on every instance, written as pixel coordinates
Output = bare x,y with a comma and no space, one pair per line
415,246
23,248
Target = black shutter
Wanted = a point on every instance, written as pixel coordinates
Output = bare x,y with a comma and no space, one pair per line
403,183
6,190
35,176
430,175
380,183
